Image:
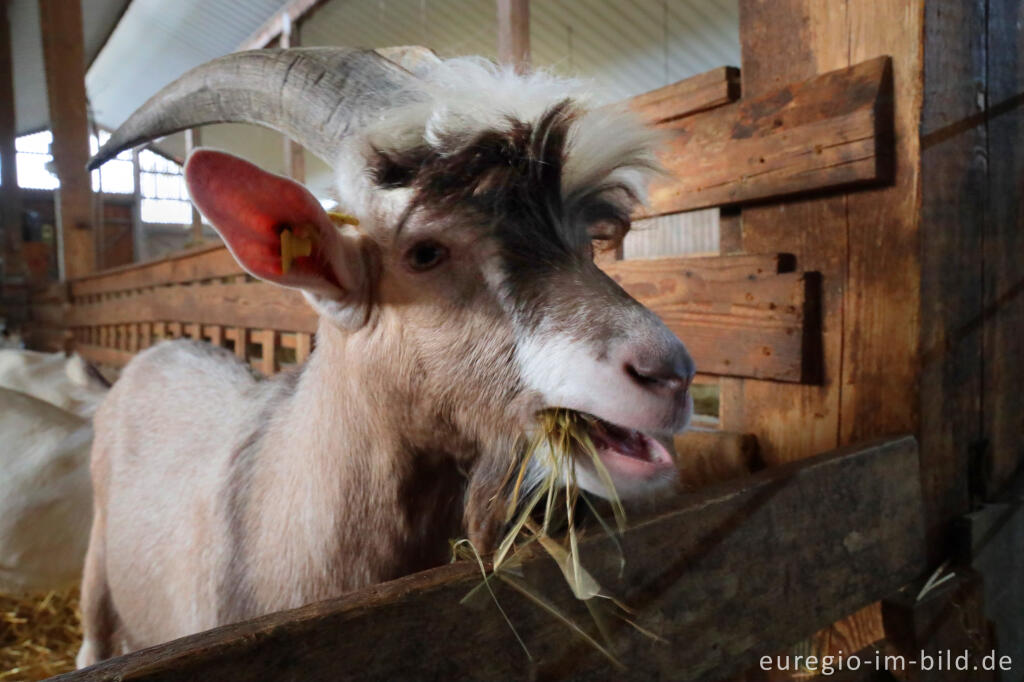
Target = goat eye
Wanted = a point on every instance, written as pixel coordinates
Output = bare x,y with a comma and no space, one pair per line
426,255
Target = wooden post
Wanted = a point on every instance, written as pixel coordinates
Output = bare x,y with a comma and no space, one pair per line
864,244
10,199
514,33
193,139
294,158
138,233
61,25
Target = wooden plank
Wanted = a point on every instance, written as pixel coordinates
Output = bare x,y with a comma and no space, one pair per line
815,560
689,96
946,621
991,541
735,314
215,334
10,197
514,33
835,235
303,347
954,205
63,55
292,12
206,262
193,139
253,304
240,336
1003,311
830,131
267,340
708,456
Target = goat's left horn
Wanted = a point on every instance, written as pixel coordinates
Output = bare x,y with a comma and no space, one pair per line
314,95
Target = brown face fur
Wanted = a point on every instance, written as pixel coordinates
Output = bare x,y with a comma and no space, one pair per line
488,250
516,255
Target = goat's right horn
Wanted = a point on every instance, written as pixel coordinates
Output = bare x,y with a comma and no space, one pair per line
314,95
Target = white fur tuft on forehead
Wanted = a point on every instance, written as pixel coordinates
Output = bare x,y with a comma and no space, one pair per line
468,95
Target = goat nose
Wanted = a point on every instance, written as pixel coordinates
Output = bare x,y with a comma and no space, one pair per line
667,372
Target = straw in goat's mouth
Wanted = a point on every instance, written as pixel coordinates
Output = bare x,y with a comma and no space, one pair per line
562,437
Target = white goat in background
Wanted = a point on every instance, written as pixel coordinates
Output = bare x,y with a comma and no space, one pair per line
68,382
465,301
45,494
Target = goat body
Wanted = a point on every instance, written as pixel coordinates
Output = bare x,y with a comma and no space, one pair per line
465,302
45,500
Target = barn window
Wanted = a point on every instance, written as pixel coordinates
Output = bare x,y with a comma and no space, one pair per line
115,176
162,188
32,155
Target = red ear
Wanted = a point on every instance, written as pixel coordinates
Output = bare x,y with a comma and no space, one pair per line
250,208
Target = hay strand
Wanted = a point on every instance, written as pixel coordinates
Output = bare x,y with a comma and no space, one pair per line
40,635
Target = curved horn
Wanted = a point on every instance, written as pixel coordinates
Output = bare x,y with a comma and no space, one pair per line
315,95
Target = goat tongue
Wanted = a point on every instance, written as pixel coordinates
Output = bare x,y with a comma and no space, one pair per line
625,442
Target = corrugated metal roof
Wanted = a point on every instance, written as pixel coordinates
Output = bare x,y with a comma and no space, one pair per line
620,47
32,111
157,41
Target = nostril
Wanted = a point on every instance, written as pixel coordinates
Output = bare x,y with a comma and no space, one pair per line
639,376
662,377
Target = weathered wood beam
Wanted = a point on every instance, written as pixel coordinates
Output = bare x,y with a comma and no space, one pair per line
709,456
830,131
740,570
205,262
738,315
1003,305
708,90
863,244
292,12
514,33
61,26
742,315
194,139
10,198
253,304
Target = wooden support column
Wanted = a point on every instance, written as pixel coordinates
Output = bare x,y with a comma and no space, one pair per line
193,139
514,33
10,199
864,244
61,25
294,158
138,232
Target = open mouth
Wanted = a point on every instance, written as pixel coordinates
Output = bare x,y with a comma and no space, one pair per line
625,452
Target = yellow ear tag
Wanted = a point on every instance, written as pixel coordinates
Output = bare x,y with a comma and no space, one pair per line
293,247
342,218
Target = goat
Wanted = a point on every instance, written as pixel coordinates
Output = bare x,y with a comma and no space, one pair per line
465,301
68,382
45,496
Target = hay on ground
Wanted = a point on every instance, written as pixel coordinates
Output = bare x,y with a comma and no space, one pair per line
39,634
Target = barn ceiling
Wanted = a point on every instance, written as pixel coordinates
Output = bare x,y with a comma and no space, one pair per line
32,112
619,47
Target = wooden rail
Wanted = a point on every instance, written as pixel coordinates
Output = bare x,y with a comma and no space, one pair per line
821,537
829,131
740,315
